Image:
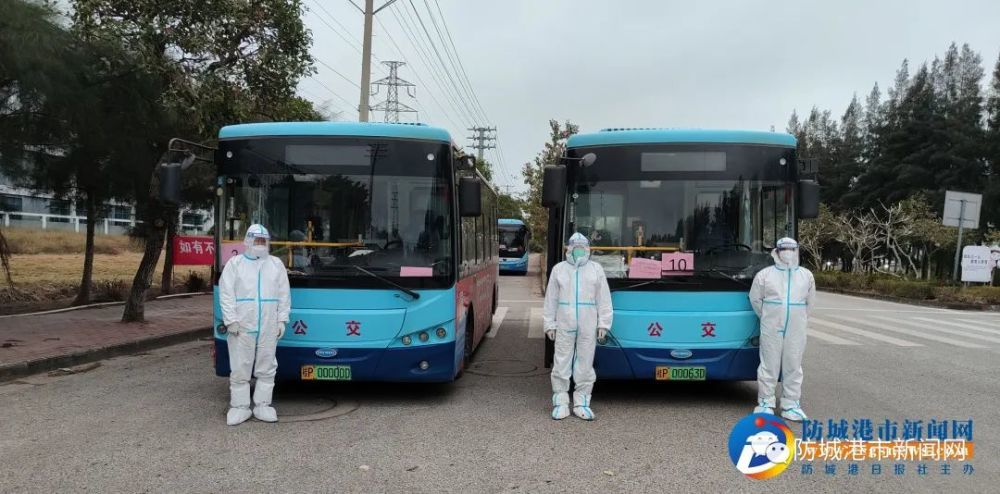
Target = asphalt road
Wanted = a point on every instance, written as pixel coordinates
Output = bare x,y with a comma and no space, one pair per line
155,422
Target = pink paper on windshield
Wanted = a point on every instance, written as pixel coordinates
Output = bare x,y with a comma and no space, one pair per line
640,267
230,249
415,272
678,263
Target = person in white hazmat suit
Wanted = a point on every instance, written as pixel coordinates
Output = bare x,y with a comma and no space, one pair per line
782,296
577,314
255,301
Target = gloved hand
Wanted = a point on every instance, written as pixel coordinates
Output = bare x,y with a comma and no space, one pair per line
281,329
551,334
234,329
602,334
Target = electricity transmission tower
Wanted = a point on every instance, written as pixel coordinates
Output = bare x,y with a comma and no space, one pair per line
391,106
483,138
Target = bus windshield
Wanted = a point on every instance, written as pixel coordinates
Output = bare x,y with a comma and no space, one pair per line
513,240
334,205
721,207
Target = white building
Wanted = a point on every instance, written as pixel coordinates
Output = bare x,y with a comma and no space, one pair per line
24,208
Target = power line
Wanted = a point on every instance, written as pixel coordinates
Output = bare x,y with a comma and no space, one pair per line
435,74
350,42
335,71
456,62
331,91
450,77
444,110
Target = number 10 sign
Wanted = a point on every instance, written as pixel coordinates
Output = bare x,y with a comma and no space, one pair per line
678,263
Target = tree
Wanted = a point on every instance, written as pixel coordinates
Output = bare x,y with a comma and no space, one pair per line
54,113
536,214
847,155
510,206
485,169
5,260
814,234
210,64
991,196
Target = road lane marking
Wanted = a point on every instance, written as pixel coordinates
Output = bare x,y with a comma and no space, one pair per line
892,325
968,325
861,332
836,340
536,325
956,332
497,321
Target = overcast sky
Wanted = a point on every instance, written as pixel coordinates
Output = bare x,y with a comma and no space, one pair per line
709,64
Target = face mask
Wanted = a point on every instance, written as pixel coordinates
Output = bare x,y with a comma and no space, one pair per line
786,256
579,253
259,251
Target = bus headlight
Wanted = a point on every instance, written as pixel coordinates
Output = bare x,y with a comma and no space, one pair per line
424,336
424,365
441,332
407,340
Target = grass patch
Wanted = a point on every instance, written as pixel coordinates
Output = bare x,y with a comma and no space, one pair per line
57,276
908,289
23,241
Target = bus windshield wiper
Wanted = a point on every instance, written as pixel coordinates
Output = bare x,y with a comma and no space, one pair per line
660,281
389,282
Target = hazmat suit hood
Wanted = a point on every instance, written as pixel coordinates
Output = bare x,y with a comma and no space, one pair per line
577,241
254,233
786,259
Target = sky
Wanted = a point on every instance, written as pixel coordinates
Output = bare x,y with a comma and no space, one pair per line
630,63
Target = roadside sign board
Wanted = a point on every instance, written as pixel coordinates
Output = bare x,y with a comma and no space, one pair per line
977,264
953,209
193,250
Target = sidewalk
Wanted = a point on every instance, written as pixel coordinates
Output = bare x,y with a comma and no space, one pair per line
31,344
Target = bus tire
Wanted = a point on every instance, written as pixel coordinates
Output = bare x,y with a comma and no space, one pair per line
496,296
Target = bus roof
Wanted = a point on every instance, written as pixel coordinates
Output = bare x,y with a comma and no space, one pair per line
417,131
616,136
509,221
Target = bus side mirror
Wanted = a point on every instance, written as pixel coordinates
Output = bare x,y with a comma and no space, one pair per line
553,186
470,200
808,199
171,178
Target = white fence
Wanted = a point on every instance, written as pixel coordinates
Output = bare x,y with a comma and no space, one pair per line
107,226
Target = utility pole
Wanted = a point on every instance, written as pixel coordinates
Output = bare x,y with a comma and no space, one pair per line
483,138
391,106
366,54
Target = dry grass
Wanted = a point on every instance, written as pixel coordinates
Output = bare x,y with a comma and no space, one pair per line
30,242
50,276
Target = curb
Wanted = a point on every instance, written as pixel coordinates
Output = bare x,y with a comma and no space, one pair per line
910,301
22,369
100,305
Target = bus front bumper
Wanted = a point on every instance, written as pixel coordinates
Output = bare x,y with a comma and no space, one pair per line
509,264
728,364
367,364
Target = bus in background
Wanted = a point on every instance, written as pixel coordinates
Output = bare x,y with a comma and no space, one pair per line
681,221
389,237
514,240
